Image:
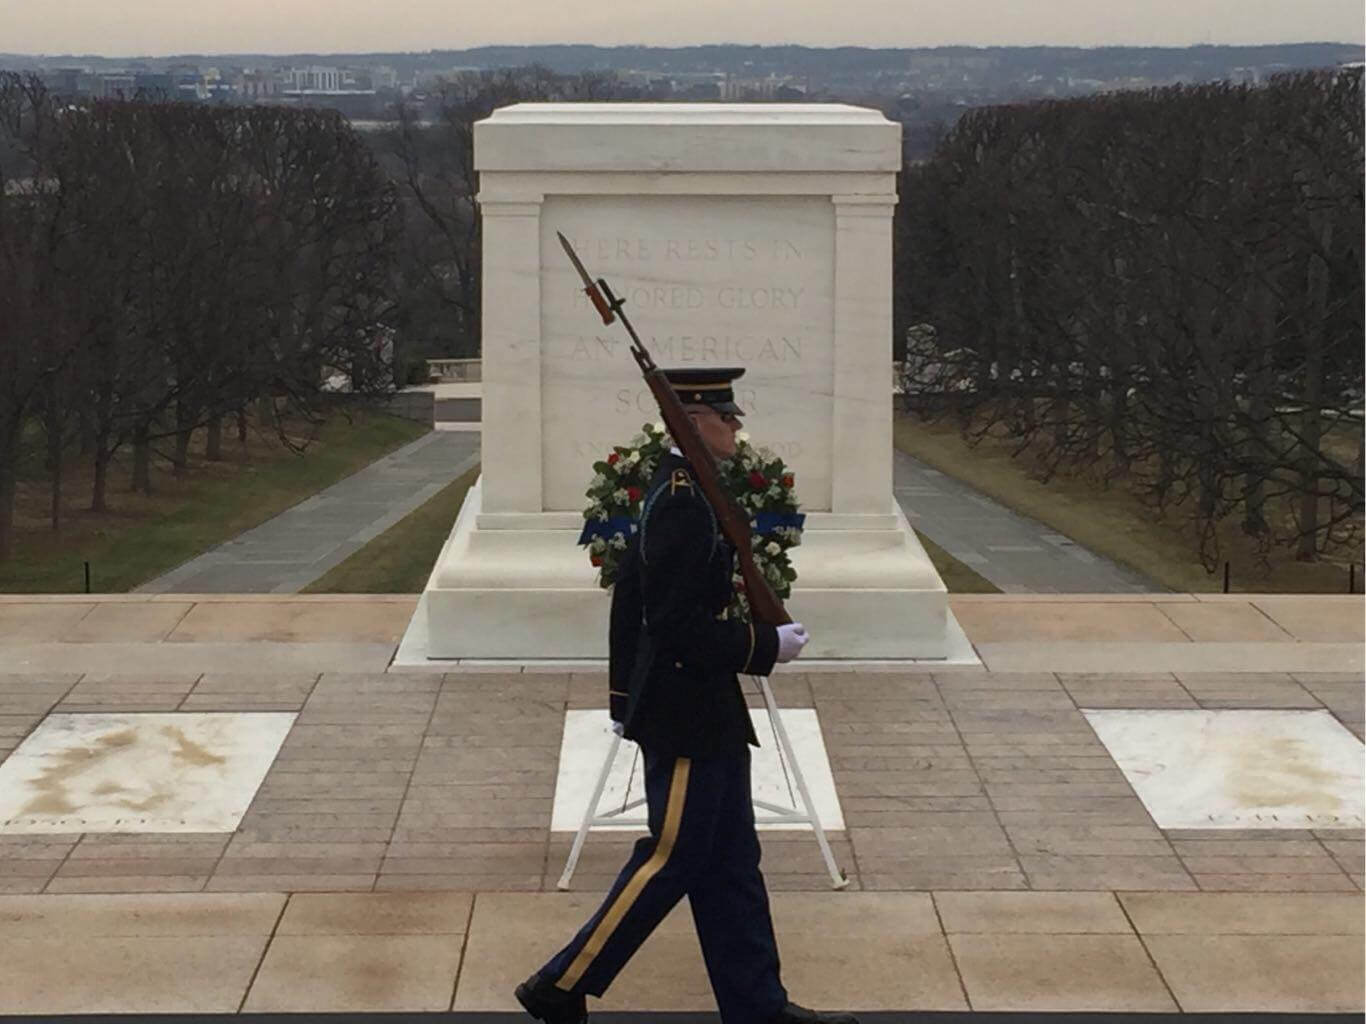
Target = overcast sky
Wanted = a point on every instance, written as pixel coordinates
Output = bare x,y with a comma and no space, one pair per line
161,27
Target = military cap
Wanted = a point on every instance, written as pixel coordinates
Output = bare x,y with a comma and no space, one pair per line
710,385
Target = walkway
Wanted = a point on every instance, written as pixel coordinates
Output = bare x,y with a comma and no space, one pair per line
1018,554
285,554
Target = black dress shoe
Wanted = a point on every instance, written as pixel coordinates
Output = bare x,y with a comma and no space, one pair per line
549,1004
794,1014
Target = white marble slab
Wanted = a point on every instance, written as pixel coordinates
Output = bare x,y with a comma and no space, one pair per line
192,772
588,737
646,138
1237,768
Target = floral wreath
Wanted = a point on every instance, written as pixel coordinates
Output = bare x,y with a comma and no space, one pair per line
757,479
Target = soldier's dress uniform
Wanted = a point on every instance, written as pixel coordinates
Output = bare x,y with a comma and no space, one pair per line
674,684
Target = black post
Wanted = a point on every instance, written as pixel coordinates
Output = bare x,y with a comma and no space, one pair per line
87,577
1225,577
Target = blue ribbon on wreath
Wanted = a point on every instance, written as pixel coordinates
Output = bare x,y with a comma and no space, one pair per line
767,522
607,529
763,523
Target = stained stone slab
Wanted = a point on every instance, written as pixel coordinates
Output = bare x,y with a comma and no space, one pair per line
194,772
1237,769
588,737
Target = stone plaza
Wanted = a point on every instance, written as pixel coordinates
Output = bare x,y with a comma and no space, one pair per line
396,850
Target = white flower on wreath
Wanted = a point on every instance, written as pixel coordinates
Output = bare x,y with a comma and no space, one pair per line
620,494
634,457
742,436
618,542
598,481
773,548
658,428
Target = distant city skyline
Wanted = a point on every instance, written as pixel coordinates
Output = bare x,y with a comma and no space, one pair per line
154,28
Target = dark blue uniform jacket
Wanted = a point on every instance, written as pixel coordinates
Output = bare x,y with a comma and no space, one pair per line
674,660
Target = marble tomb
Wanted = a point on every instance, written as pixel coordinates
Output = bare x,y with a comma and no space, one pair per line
757,235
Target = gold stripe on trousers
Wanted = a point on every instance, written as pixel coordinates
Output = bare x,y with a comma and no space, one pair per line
626,899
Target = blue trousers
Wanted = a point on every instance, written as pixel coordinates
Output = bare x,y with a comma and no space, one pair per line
701,845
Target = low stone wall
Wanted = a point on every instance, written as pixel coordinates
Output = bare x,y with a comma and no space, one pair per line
413,405
458,410
454,370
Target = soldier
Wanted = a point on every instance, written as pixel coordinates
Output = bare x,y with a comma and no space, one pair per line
674,660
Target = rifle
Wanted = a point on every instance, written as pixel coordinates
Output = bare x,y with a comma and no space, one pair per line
764,604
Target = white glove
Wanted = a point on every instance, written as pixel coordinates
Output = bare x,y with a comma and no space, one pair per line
791,639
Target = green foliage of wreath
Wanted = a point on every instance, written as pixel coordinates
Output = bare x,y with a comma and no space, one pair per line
756,478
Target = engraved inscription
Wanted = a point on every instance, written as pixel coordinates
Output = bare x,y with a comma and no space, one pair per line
689,348
749,249
641,400
706,281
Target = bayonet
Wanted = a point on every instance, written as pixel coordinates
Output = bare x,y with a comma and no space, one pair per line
603,307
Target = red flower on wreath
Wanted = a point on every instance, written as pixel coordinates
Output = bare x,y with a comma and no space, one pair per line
757,481
613,459
787,480
596,560
633,493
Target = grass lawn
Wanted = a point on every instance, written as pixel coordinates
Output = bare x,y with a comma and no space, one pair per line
1111,522
401,558
143,536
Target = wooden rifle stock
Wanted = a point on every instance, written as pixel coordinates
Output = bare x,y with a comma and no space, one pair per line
764,604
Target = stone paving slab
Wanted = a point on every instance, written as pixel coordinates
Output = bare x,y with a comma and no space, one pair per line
926,951
1230,621
354,622
123,623
40,621
1039,622
47,659
1123,656
1320,621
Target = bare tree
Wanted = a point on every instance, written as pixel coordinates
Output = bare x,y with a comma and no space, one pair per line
1160,287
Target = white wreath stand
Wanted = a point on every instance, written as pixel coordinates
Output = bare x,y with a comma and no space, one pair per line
774,814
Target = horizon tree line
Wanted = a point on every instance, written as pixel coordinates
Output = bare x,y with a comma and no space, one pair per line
1160,287
164,266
